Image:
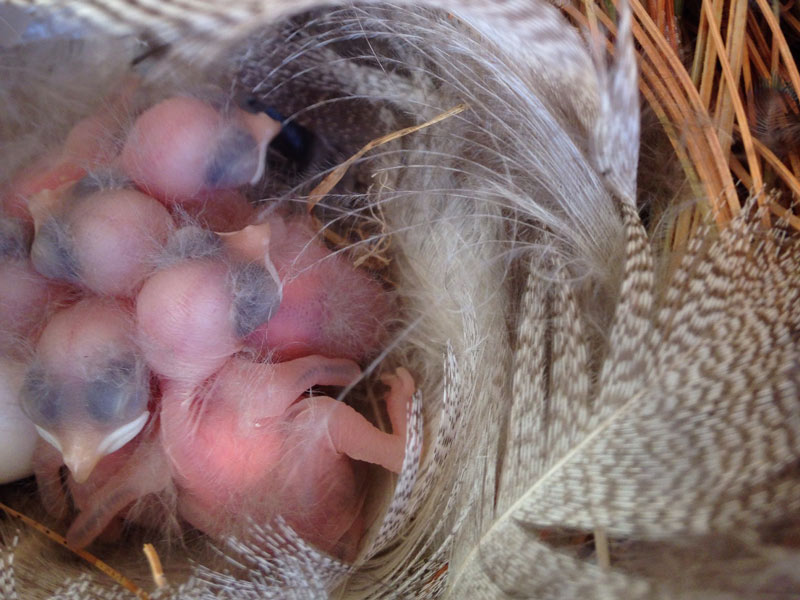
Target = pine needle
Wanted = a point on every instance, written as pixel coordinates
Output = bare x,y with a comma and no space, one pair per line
781,169
702,140
88,557
731,53
731,82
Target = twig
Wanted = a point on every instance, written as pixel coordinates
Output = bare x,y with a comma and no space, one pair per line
156,569
601,549
327,184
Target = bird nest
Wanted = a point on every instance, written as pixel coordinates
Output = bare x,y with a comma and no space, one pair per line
598,310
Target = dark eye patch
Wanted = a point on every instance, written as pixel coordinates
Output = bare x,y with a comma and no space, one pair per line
98,180
15,239
235,160
42,401
86,186
105,400
52,252
118,395
256,296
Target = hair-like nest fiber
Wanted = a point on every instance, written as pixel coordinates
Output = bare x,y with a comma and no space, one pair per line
603,415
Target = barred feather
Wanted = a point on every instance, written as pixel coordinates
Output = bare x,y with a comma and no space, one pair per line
576,401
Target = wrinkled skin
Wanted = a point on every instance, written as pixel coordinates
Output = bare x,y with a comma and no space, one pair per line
248,446
181,359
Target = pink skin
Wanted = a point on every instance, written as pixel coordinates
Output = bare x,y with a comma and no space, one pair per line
14,205
115,236
184,320
235,439
91,330
221,211
79,350
248,445
167,153
172,148
121,479
328,306
73,350
26,298
118,234
184,312
90,143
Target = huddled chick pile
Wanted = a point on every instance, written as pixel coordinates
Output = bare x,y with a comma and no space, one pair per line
161,334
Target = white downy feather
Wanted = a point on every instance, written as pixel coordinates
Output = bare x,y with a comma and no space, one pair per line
564,394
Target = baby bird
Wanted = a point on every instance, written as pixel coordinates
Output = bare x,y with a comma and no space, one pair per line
188,360
87,390
182,147
105,241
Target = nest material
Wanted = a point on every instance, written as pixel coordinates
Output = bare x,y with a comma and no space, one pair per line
515,264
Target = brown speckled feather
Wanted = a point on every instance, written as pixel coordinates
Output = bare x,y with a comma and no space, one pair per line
571,393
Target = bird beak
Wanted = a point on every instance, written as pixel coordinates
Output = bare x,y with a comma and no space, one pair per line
83,449
81,456
263,129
